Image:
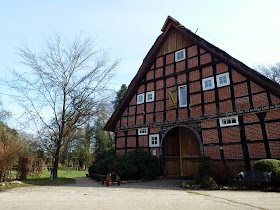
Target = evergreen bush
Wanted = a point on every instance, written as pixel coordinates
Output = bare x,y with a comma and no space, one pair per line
135,165
269,165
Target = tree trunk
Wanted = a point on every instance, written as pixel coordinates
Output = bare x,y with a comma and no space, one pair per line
56,160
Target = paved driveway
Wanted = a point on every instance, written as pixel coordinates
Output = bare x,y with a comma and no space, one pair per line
162,194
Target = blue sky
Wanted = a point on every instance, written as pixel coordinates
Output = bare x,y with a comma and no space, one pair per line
248,30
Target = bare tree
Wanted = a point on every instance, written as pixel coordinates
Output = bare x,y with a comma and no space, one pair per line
63,87
271,71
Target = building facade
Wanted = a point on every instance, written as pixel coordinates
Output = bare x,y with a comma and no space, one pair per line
190,99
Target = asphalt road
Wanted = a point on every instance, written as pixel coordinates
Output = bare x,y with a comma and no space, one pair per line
162,194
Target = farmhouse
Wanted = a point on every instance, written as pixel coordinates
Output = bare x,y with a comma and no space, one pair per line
191,99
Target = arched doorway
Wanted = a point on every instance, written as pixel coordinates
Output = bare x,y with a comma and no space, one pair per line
181,152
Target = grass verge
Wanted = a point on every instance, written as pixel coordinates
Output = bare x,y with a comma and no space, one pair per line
64,177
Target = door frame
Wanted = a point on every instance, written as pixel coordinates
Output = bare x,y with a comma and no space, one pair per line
195,128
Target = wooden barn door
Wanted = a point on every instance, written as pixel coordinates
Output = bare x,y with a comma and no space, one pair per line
181,153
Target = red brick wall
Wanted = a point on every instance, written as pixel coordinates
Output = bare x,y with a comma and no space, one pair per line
180,66
273,130
209,96
120,152
224,93
260,100
209,124
272,115
248,118
241,89
131,142
210,136
210,109
236,77
143,141
230,134
233,151
221,68
194,75
192,62
192,51
206,58
256,150
213,152
242,103
274,99
274,149
120,142
253,132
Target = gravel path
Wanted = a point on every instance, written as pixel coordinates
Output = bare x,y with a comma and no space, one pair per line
160,194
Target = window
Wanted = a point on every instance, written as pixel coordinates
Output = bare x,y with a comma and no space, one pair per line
142,131
140,98
154,140
182,95
208,83
228,121
172,100
222,79
180,55
150,96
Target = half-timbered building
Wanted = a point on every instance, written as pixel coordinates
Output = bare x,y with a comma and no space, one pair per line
191,99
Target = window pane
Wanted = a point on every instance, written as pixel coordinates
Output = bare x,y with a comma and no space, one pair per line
183,96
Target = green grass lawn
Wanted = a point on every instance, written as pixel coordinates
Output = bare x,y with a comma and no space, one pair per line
64,177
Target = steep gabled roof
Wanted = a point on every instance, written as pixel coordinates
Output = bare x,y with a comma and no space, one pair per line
270,85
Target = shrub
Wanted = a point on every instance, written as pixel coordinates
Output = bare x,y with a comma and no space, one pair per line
105,166
217,170
205,168
266,165
98,177
269,165
29,166
138,164
209,183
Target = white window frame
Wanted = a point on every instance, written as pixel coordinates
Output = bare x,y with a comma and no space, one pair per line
151,140
207,79
180,96
139,96
225,121
142,131
222,75
153,96
184,55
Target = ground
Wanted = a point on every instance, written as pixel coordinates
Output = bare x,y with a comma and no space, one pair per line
160,194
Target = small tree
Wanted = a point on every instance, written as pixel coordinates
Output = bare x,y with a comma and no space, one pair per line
10,149
63,86
119,96
270,71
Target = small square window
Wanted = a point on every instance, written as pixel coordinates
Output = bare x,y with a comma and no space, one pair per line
150,96
142,131
180,55
222,79
154,140
140,98
208,83
229,121
182,90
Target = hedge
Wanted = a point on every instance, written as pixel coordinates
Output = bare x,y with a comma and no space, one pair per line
269,165
136,165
